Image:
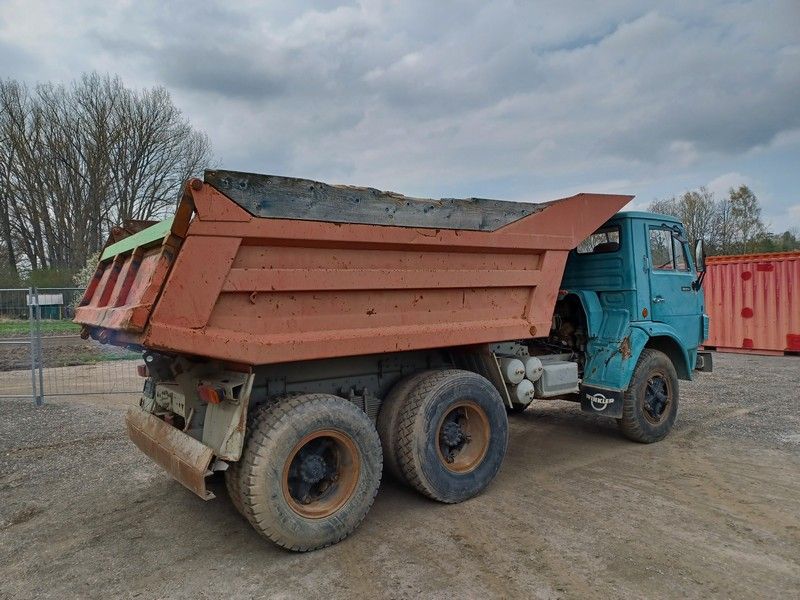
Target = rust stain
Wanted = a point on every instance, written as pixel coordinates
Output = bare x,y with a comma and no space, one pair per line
625,348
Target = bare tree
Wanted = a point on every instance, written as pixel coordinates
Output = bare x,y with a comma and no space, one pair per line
695,209
724,227
77,160
746,213
155,153
730,225
9,99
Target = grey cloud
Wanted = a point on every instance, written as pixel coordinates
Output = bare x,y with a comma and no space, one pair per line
14,59
532,95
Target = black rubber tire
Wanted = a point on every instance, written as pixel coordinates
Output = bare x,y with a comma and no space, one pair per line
276,429
232,480
233,472
388,419
417,444
634,423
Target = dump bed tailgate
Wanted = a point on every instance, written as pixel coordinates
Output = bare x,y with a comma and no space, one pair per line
130,276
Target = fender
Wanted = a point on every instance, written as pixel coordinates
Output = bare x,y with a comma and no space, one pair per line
665,338
610,362
606,363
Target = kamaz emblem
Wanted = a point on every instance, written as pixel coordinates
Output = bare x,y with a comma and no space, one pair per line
598,401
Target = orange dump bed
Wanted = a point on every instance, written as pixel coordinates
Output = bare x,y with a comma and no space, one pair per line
256,269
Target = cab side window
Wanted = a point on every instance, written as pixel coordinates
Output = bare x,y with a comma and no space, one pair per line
661,250
666,251
601,241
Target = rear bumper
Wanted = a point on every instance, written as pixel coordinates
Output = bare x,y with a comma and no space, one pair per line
182,456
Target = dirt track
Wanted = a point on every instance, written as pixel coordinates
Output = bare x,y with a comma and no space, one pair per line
57,351
576,511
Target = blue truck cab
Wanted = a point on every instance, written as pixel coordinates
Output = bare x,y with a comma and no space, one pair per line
631,311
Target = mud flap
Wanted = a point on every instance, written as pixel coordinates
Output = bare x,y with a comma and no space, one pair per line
182,456
601,401
704,362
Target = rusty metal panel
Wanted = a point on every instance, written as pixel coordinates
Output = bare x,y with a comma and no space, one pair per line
300,290
182,456
753,302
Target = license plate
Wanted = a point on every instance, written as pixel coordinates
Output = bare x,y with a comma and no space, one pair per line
169,397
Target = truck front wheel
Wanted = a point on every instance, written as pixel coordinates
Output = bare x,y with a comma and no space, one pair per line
310,470
651,401
452,435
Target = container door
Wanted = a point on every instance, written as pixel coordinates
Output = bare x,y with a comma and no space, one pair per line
672,298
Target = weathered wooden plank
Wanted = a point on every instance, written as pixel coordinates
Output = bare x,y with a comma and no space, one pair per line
291,198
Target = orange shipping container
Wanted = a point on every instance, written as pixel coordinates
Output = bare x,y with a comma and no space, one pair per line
754,303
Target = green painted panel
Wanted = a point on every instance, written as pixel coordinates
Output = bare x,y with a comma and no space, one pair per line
153,233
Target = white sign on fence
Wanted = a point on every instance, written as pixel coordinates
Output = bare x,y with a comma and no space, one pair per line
47,299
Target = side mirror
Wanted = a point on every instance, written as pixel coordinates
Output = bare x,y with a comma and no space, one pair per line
699,256
699,264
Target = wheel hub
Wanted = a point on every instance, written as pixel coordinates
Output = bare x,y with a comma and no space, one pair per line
452,437
463,437
313,468
452,434
321,473
656,397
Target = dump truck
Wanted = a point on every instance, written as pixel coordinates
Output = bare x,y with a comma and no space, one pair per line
304,337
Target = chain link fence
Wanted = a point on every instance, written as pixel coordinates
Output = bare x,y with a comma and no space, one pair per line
42,354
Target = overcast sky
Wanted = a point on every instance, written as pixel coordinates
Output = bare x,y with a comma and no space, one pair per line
509,99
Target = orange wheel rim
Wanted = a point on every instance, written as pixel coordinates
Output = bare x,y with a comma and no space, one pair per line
321,473
462,437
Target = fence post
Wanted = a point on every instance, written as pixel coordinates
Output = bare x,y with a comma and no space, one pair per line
40,352
32,328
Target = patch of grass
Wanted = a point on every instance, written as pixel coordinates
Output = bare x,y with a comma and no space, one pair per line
16,327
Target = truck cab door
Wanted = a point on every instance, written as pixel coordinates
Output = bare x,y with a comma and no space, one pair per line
673,298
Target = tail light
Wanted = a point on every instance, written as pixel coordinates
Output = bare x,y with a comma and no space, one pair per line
142,371
211,394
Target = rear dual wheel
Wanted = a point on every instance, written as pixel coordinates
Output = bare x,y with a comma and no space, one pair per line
232,474
388,420
445,433
309,472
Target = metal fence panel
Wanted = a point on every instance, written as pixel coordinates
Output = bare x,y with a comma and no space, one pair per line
18,348
42,354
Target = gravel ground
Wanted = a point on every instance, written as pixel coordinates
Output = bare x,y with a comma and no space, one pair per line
576,511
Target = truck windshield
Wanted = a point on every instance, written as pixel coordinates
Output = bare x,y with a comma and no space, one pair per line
602,240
